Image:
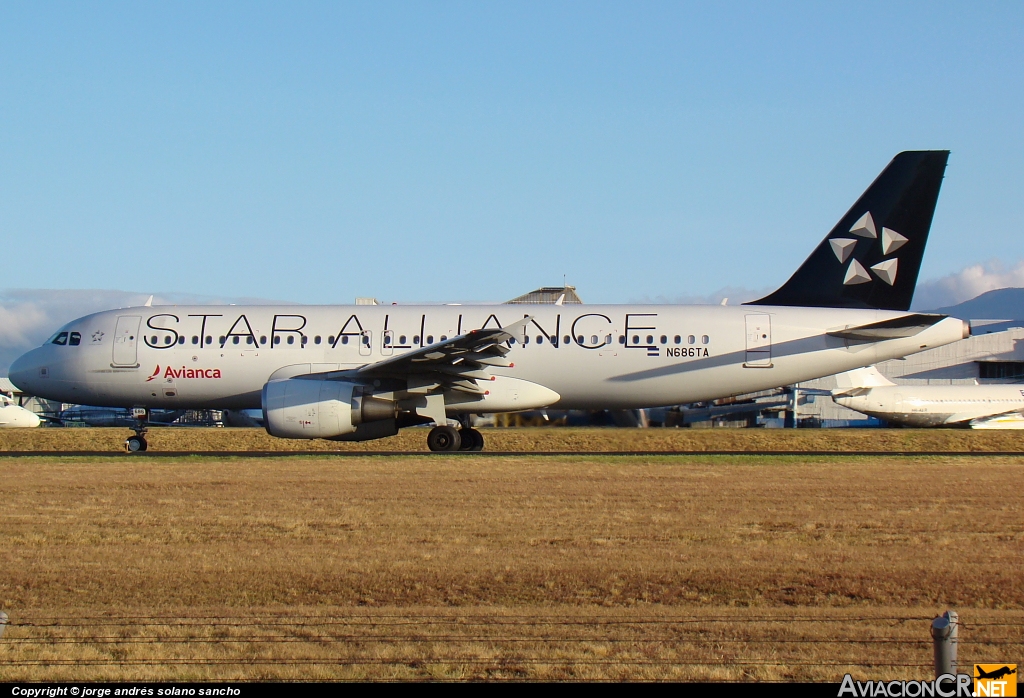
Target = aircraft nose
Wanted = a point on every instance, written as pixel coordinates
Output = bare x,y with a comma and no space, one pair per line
25,370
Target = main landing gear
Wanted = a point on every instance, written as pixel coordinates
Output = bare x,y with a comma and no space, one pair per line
447,438
137,443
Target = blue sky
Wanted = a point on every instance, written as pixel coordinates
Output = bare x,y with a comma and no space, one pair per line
314,152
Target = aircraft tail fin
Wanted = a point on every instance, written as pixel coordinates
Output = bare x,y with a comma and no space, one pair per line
872,257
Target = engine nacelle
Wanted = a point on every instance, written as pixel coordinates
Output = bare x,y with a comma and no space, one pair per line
302,408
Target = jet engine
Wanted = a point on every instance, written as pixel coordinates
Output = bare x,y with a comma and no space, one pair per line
308,408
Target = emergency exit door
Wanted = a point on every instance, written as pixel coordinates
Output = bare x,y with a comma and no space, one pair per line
759,341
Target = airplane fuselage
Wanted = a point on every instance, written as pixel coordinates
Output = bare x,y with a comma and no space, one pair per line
936,405
591,356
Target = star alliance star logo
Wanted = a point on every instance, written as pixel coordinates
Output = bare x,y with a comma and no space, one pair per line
885,270
97,336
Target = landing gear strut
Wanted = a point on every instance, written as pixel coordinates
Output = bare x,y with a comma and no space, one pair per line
137,443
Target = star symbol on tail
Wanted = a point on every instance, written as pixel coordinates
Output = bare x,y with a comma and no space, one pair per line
864,228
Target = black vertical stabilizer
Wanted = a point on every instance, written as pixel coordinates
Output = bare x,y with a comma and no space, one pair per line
872,257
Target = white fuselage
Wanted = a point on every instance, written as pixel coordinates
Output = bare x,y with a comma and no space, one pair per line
592,356
935,405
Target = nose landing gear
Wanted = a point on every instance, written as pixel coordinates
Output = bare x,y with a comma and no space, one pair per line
137,443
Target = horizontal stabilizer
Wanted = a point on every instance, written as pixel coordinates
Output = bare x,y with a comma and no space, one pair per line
867,377
896,328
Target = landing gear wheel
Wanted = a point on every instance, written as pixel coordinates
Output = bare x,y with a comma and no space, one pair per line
444,438
472,440
135,444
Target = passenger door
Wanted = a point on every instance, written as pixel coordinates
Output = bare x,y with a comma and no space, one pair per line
126,341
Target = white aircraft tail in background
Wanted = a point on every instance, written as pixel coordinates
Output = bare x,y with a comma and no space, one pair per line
11,415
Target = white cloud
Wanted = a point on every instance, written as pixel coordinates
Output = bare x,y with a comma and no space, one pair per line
967,284
735,294
29,316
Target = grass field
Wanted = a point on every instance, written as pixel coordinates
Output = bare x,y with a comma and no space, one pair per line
536,439
526,567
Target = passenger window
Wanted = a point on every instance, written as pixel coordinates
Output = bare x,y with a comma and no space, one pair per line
705,339
222,339
153,339
344,339
430,339
540,339
366,340
234,340
444,338
76,339
167,339
263,339
195,339
664,339
567,339
580,340
316,340
248,340
416,339
330,340
622,339
277,340
691,339
181,339
401,340
677,339
305,340
636,339
650,339
209,339
291,339
526,339
607,339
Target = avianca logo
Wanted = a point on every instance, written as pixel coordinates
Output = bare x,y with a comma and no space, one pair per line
184,372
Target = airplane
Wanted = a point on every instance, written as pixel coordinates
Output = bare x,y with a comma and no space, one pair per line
994,674
354,373
977,406
13,415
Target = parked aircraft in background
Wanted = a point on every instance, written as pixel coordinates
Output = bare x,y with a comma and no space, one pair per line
977,406
363,372
11,415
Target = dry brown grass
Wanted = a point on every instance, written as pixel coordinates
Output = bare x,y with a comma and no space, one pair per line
517,567
537,439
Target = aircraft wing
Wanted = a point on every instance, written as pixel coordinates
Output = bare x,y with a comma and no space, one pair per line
456,363
981,413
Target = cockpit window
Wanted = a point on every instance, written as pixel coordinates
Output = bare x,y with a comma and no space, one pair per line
76,339
61,338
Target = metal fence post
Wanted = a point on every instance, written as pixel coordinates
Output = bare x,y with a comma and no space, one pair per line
945,636
3,623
